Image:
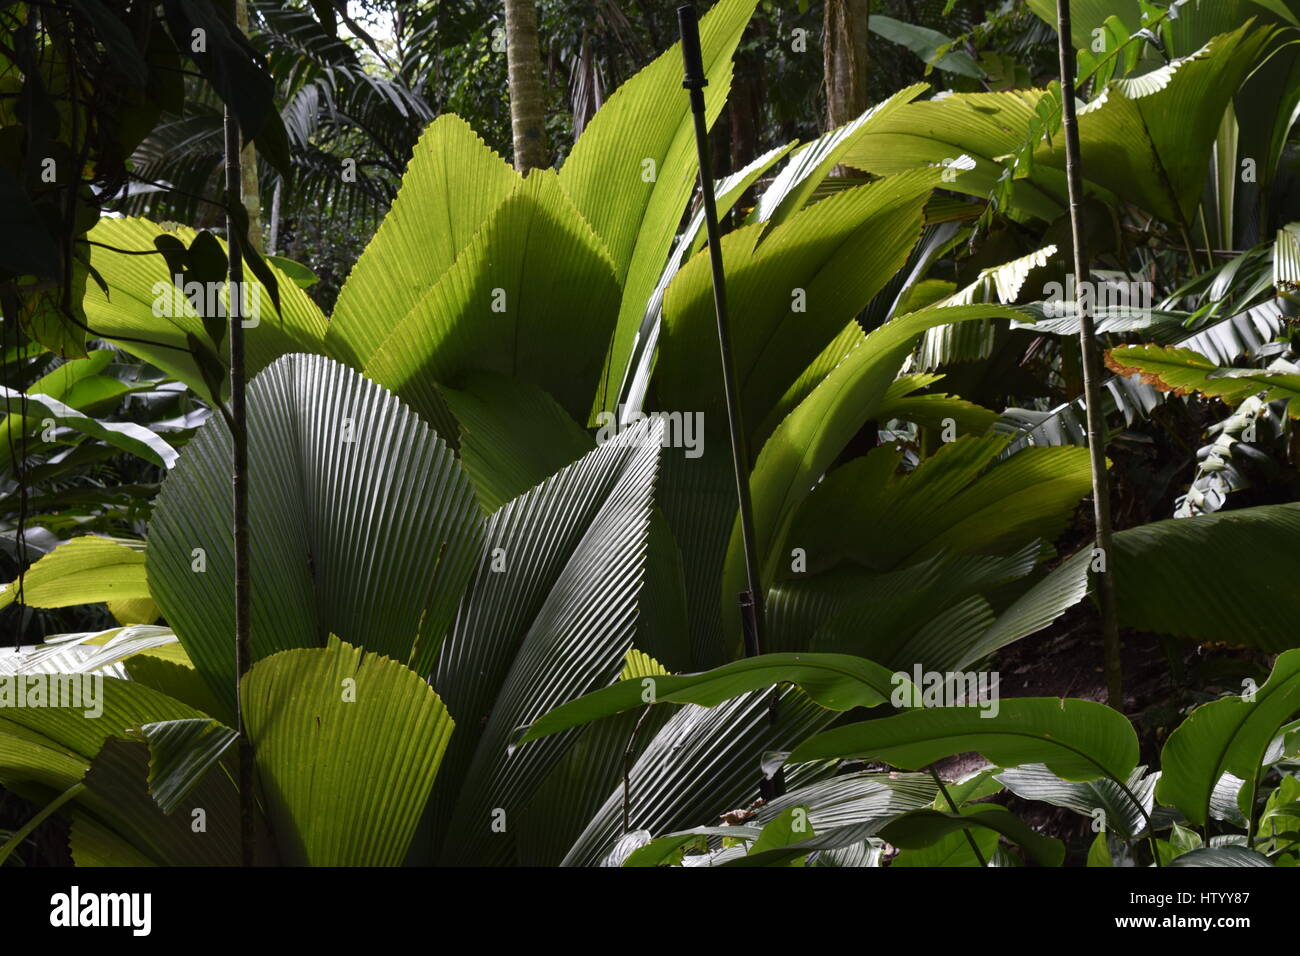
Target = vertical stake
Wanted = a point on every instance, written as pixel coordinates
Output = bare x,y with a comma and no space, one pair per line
750,600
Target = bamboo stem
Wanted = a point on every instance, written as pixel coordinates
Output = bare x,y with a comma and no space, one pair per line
239,487
1091,369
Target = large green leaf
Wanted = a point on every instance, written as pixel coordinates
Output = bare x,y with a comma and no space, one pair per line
790,826
181,752
1036,608
348,745
1231,735
134,313
962,498
818,255
836,681
84,570
931,46
923,828
632,170
944,613
452,183
1076,739
549,616
1180,370
125,436
844,811
513,435
791,190
952,850
804,446
52,747
1218,577
326,449
728,191
1088,15
921,613
1124,810
28,758
202,830
1148,139
71,394
724,745
789,295
532,296
984,127
1220,856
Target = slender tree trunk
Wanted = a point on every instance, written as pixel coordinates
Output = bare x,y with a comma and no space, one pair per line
274,243
743,115
720,146
251,194
239,487
844,59
1102,568
744,108
527,102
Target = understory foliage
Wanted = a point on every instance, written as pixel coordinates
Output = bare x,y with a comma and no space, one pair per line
495,541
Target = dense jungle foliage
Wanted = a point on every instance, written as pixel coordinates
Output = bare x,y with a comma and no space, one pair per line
494,538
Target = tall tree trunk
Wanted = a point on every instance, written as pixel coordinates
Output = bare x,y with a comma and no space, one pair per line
239,487
1103,568
527,103
252,194
844,59
744,110
238,422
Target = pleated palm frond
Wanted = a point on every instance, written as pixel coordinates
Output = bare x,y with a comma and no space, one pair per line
631,172
550,614
362,525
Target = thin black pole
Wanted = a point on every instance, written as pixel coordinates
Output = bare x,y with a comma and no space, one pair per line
239,483
751,599
1091,368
